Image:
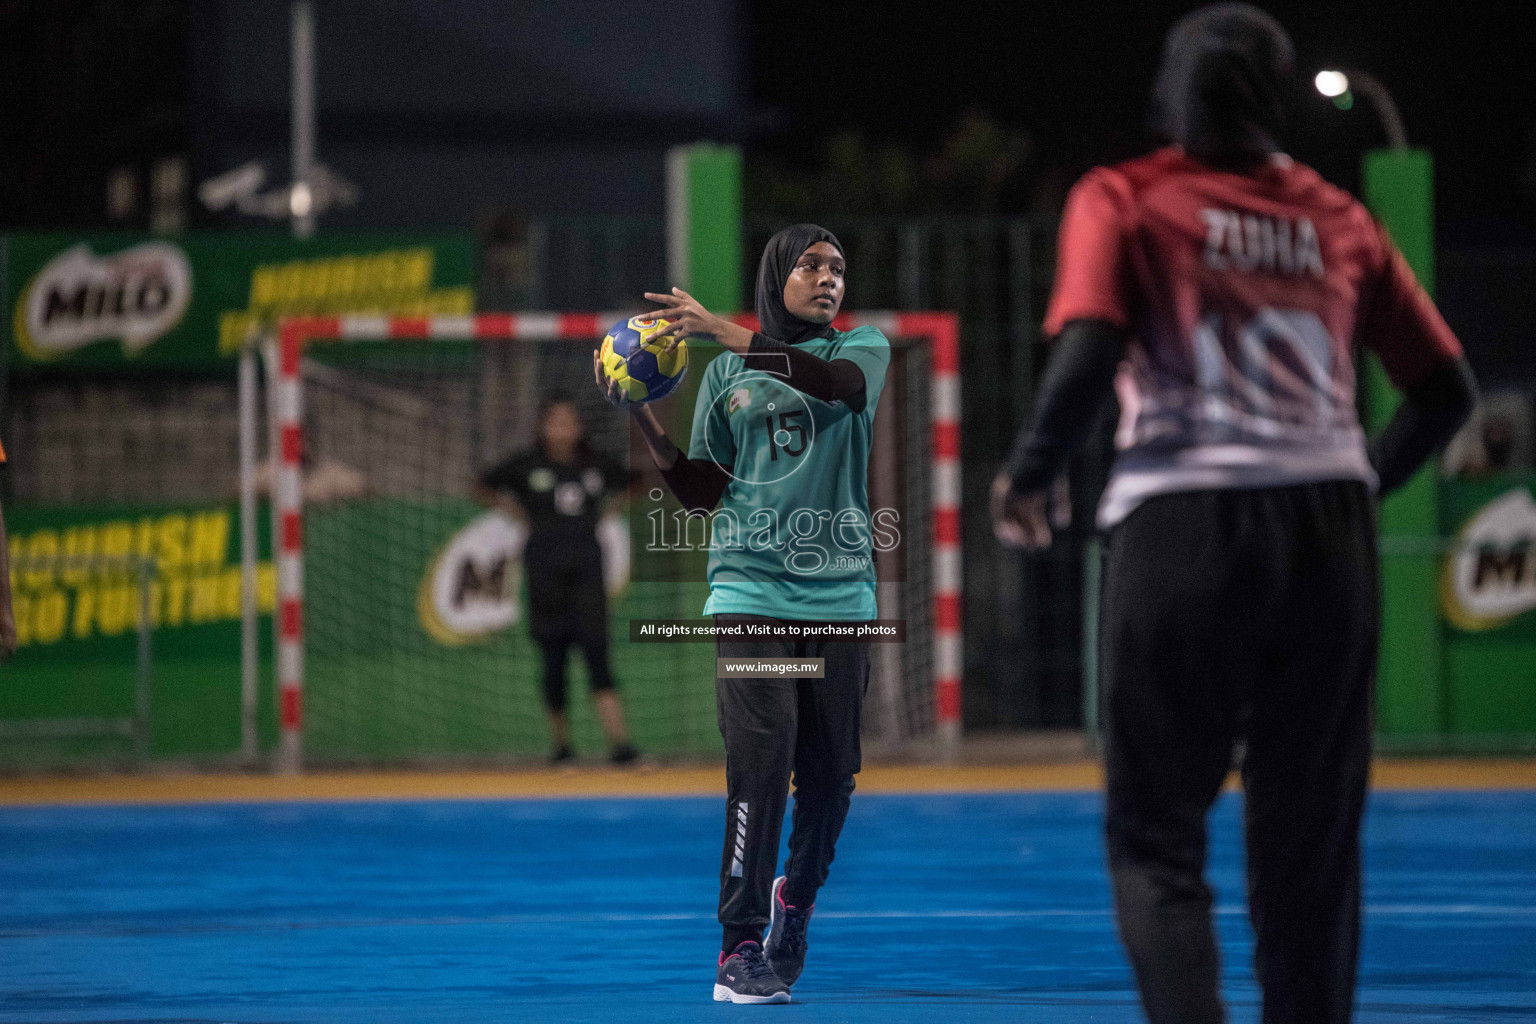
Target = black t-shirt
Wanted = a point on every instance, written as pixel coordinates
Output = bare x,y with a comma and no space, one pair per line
562,499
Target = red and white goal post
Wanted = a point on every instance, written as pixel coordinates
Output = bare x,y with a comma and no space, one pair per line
940,331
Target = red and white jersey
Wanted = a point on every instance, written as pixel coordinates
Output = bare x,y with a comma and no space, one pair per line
1245,295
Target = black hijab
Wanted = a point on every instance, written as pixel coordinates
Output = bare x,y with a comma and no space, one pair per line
780,255
1219,87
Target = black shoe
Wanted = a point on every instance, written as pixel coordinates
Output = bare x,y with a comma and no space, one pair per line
624,754
745,977
785,943
562,755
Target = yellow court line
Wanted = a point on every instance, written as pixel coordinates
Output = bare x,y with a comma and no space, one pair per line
1454,773
461,785
1075,776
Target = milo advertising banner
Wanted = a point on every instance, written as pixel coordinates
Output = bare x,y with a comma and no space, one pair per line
417,643
122,301
81,580
1488,600
1489,582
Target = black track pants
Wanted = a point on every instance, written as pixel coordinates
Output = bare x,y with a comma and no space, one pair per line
774,728
569,607
1241,615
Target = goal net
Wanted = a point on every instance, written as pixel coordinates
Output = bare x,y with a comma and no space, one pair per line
403,612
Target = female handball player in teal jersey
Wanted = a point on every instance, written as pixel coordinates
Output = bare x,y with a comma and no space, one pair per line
781,435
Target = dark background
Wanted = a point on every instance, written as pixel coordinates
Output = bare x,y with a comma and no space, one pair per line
864,106
1073,80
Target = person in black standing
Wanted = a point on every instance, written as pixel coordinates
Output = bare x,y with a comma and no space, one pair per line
557,489
1225,290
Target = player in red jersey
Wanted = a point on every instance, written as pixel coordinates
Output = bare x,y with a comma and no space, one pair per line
1222,289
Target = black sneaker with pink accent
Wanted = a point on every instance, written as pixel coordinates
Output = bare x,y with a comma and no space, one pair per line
785,943
745,977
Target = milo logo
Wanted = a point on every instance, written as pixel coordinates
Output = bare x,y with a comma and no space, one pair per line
134,296
1491,578
469,591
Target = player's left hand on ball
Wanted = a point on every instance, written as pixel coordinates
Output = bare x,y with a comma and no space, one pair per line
614,394
685,315
1019,519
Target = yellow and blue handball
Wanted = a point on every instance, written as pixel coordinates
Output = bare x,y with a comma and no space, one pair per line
635,356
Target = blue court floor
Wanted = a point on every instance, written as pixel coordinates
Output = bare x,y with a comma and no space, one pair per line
977,907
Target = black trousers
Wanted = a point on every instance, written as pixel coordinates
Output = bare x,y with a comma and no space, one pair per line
1241,615
775,729
568,605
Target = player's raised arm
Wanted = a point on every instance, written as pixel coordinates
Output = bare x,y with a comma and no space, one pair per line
698,484
686,317
813,269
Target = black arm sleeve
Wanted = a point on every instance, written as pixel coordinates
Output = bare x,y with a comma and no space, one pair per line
1430,414
1080,375
698,484
617,479
830,381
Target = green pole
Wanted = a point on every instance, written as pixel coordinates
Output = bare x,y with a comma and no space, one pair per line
1399,189
704,258
704,255
704,224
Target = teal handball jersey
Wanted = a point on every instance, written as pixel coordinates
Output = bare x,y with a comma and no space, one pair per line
793,537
